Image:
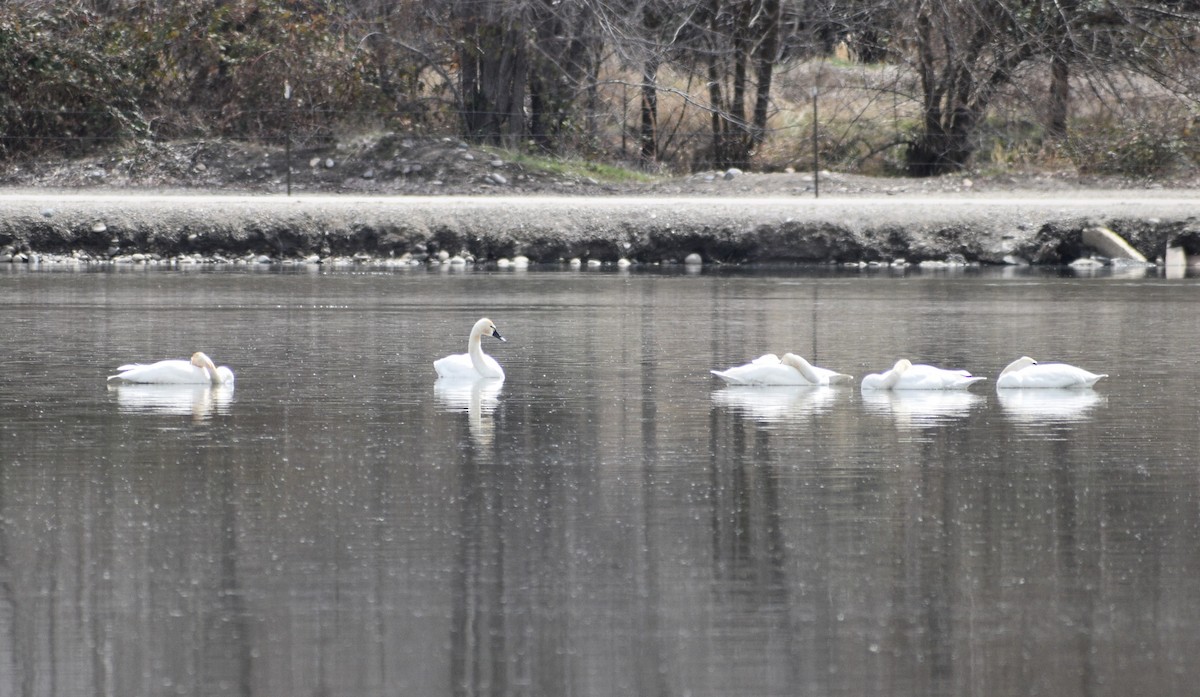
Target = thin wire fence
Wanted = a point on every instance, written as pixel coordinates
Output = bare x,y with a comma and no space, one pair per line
853,129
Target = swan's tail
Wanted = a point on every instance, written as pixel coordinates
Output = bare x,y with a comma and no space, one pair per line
726,377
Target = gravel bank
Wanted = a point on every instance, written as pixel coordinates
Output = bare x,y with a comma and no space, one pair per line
1016,227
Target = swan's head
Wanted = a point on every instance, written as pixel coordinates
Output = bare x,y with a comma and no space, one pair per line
902,365
485,327
1019,364
202,361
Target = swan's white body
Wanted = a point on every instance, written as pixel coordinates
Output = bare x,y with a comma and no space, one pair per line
474,363
1028,373
906,376
773,370
200,370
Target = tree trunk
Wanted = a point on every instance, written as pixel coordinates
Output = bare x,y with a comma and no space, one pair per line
1063,17
765,57
717,108
738,136
493,66
1060,96
648,137
964,55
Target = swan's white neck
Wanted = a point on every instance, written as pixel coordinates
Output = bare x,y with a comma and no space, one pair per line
475,350
891,377
1019,364
202,361
803,366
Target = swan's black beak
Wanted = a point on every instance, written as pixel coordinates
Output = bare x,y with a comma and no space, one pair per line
496,333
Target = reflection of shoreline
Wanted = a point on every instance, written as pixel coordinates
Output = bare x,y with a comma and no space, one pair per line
776,402
198,401
478,398
1037,406
915,407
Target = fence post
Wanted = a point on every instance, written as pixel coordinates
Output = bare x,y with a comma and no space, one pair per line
815,156
287,132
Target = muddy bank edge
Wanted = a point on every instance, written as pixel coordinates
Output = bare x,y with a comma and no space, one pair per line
975,229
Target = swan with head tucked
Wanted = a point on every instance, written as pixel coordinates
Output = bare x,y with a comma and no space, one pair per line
906,376
474,363
770,369
1028,373
199,370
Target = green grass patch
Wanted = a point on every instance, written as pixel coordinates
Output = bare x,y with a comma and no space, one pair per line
576,167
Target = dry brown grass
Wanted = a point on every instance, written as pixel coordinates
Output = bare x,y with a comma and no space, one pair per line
866,114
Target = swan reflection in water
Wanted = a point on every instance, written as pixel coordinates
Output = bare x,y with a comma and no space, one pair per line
477,397
775,403
200,402
1034,407
921,407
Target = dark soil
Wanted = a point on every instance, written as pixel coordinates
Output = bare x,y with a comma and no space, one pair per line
403,165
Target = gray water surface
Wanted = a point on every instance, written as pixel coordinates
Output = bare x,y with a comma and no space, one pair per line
611,520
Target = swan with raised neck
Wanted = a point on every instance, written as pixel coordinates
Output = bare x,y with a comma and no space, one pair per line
474,363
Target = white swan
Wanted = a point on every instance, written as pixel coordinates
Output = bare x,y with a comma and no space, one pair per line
200,370
773,370
474,363
1026,372
906,376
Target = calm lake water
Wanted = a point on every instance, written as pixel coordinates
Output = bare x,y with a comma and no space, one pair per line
611,520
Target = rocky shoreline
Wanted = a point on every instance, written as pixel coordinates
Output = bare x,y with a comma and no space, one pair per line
346,230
